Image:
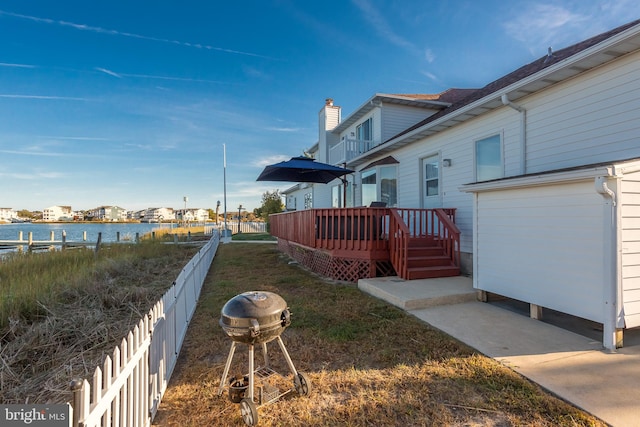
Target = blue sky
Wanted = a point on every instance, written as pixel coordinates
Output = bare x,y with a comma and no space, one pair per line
130,103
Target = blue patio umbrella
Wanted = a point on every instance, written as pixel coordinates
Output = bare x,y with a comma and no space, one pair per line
302,169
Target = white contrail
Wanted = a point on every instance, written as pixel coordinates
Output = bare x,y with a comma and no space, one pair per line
100,30
111,73
4,64
62,98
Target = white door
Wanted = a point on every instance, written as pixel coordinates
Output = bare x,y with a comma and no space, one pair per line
431,182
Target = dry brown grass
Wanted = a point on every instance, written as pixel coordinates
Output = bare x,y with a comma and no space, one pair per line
80,316
369,364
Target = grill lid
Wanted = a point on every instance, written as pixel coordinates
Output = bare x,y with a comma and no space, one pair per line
255,316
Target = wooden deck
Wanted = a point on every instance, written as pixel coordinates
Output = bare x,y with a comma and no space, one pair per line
353,243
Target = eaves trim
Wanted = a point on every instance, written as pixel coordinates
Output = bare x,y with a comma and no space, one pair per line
538,179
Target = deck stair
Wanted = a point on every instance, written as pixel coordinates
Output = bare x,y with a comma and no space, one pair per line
426,259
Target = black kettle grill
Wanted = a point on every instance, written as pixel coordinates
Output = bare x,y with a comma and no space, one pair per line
251,318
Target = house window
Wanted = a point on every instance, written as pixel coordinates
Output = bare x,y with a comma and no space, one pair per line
369,191
380,184
431,175
389,185
364,131
336,196
488,153
308,200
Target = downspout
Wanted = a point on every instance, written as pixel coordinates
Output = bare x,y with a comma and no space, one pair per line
523,131
610,288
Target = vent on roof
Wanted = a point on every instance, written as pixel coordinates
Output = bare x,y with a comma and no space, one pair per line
550,55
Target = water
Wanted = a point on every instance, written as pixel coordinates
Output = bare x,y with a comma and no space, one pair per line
75,231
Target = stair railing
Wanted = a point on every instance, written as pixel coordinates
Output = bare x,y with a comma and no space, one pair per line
449,234
432,224
399,235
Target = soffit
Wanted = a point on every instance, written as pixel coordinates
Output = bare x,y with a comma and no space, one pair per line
378,99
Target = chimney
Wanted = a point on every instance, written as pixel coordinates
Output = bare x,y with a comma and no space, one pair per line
328,118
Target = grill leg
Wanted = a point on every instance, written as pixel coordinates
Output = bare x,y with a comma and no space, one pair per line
249,394
287,358
264,353
226,368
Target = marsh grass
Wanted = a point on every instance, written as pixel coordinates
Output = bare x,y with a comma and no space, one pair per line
63,311
167,234
369,363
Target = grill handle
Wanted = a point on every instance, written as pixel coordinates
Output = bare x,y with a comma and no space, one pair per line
285,318
254,328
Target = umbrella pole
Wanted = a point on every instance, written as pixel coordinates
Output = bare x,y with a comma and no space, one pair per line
344,192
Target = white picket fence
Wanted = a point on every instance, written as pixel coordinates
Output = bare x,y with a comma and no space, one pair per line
126,391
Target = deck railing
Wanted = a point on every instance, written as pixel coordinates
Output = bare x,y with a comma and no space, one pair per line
360,231
349,149
370,232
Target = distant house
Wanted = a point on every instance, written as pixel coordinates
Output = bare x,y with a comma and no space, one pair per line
192,215
158,215
108,213
57,213
7,214
136,215
542,167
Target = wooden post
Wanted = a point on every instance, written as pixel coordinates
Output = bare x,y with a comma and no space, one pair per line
76,402
98,242
535,311
137,237
117,236
51,235
64,240
30,241
619,334
20,235
84,236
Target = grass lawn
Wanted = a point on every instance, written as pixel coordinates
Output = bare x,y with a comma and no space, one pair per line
253,236
369,363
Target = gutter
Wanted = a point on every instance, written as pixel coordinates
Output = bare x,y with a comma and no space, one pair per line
612,301
523,130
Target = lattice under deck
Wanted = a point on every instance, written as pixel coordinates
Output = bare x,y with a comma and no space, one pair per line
337,268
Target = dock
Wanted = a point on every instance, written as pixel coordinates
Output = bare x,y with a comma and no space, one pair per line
37,245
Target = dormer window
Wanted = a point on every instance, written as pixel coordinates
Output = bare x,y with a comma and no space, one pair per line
364,131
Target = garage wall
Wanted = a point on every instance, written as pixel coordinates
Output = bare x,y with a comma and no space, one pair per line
630,248
543,245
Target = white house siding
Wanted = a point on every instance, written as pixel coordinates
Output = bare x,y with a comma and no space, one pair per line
350,132
630,247
396,118
457,144
588,119
322,194
295,199
543,245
